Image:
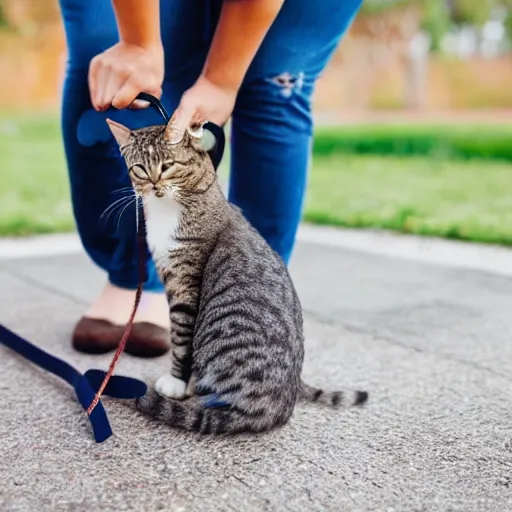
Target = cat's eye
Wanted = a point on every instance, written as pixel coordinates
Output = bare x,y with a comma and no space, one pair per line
166,166
139,171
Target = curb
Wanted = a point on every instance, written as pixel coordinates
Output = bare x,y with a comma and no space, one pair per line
434,251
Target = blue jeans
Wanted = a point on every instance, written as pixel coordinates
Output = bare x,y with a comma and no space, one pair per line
271,123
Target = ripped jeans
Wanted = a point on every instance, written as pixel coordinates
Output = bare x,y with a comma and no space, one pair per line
271,123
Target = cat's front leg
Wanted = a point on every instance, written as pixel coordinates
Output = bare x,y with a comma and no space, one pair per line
183,313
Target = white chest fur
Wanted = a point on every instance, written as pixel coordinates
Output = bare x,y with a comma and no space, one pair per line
162,218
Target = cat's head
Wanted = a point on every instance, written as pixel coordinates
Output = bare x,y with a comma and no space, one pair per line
162,161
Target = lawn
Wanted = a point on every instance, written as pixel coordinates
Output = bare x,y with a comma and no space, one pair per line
469,200
433,194
34,191
450,141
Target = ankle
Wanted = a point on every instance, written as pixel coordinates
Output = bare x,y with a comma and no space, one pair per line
153,308
115,305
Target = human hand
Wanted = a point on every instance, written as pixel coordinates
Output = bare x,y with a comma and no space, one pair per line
120,73
204,101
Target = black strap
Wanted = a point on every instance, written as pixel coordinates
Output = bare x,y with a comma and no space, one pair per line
156,103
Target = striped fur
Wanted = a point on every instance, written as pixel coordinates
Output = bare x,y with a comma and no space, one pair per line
236,319
332,398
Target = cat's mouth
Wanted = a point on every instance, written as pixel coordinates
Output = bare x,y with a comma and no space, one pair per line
157,190
149,191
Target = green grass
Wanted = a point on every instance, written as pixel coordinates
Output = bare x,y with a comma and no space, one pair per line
439,196
463,142
463,200
34,192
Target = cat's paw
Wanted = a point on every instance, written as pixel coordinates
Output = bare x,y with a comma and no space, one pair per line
191,386
170,386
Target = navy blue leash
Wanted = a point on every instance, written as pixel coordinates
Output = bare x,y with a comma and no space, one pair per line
85,386
88,385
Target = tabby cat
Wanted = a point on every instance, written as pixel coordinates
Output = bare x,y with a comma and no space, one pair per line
236,320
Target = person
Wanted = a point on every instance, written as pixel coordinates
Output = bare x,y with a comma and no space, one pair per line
254,61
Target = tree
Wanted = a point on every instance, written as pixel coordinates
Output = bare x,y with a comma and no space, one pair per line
440,15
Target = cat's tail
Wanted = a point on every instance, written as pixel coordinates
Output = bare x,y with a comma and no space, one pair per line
190,414
343,399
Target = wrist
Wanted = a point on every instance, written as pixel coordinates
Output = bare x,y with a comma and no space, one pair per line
153,46
229,83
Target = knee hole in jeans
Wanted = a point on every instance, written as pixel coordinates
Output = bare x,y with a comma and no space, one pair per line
289,83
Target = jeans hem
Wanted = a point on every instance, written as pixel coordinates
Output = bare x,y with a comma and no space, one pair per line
150,286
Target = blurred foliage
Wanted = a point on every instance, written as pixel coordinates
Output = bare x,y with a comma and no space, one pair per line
436,21
440,15
27,16
472,12
3,17
448,141
376,6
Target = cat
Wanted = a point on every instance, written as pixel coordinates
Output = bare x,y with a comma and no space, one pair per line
236,319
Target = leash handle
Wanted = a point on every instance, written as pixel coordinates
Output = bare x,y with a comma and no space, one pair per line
156,103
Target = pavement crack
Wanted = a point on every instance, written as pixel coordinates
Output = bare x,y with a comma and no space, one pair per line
241,481
357,329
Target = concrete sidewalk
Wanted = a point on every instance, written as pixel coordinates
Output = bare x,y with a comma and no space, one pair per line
431,344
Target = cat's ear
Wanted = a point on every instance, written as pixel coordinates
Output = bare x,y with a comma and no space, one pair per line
201,139
120,132
172,133
196,131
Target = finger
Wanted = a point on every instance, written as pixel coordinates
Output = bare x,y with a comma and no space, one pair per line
102,78
140,104
113,83
197,120
126,94
182,116
219,118
92,78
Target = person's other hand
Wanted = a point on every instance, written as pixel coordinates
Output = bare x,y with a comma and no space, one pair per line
204,101
120,73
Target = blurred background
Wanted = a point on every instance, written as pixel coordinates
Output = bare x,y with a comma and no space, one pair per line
413,114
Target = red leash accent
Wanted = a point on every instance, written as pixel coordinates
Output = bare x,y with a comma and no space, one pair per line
141,249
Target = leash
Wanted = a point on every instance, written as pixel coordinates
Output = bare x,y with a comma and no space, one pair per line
85,385
91,386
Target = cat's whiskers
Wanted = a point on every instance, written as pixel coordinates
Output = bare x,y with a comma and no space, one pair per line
122,190
115,204
171,188
118,203
133,199
137,220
